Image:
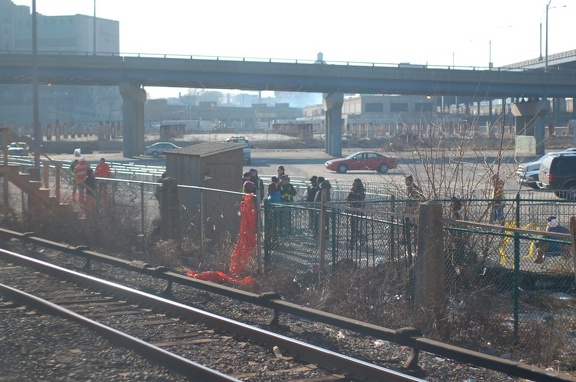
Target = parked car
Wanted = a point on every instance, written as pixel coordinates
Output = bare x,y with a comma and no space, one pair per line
362,160
527,173
558,173
18,149
159,148
246,150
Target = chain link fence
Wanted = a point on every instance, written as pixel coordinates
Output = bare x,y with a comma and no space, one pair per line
495,290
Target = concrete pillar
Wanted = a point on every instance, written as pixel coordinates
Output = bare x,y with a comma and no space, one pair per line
430,292
133,98
530,115
333,103
555,110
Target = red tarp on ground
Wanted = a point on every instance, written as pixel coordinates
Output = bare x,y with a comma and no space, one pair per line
245,246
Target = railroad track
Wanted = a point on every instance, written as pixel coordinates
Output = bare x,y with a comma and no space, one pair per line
175,335
374,344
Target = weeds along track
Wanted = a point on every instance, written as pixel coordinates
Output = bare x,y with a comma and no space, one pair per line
188,341
252,357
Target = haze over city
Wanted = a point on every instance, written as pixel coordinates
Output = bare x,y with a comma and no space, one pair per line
444,32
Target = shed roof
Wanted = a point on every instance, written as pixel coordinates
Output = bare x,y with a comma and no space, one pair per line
207,148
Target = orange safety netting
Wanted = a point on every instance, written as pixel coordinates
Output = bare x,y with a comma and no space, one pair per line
245,246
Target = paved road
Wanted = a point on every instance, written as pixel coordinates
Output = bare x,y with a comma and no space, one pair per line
305,163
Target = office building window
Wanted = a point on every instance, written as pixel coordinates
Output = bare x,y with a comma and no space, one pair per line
398,107
373,107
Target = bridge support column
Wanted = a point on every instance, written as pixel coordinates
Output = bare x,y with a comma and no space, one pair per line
133,98
529,123
333,103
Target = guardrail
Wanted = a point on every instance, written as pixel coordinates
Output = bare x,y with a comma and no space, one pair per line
272,60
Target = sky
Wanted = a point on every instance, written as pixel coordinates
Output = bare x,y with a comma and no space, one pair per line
433,32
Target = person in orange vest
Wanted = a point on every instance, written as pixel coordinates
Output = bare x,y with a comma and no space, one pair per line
81,171
103,171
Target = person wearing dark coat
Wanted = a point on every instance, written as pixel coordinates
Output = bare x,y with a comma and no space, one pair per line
355,199
311,192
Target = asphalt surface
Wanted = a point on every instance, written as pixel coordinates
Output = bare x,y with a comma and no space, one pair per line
303,163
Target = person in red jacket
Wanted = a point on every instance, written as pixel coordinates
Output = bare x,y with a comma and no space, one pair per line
81,171
103,171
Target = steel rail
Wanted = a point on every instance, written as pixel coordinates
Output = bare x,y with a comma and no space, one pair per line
326,359
153,353
406,336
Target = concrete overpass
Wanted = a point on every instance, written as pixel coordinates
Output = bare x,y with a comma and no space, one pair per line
132,74
558,61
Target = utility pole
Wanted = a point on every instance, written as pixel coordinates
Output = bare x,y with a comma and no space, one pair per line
37,132
546,62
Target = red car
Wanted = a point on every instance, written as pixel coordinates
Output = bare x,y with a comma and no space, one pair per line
362,160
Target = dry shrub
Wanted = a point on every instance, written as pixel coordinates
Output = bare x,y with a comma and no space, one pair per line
9,218
542,336
470,322
283,282
375,295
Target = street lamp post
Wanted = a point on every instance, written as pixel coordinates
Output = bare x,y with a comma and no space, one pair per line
94,31
546,52
546,62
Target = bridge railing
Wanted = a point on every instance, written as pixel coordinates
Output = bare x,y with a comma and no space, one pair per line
279,60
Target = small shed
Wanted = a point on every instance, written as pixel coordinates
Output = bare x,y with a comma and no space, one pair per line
215,165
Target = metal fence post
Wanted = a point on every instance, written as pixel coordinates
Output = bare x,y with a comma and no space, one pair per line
142,211
392,227
516,292
573,240
202,222
267,232
258,231
333,218
322,230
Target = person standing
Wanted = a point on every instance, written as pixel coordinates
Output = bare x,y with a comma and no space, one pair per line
90,186
280,171
415,196
273,192
497,214
414,193
254,178
311,192
103,171
81,171
287,193
273,213
312,189
248,187
245,178
356,198
287,190
324,189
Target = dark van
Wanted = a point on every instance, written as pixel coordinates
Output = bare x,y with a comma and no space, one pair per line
558,174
